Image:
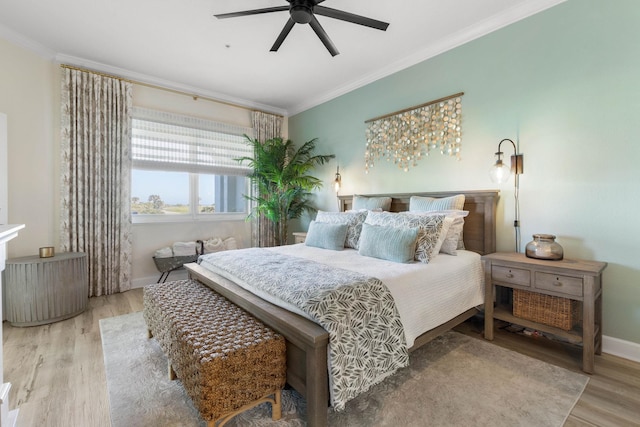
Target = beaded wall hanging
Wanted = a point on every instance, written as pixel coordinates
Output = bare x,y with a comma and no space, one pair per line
408,135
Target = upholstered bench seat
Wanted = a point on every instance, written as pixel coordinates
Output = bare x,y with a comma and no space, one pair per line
227,360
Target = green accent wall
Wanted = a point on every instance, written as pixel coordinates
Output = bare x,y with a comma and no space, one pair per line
565,85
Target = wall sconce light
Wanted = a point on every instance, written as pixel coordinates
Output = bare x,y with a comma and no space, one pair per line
337,182
500,173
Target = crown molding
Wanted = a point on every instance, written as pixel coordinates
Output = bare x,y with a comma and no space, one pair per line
166,84
60,58
468,34
475,31
25,42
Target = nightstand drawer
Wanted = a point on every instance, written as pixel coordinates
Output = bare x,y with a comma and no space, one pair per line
558,283
516,276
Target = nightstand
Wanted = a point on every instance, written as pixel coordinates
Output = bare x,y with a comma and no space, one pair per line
299,236
576,280
46,290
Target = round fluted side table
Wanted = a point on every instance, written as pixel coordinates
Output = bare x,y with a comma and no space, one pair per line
46,290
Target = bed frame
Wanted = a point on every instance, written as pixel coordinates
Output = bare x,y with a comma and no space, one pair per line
307,341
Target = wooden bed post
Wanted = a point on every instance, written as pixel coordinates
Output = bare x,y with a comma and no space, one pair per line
317,387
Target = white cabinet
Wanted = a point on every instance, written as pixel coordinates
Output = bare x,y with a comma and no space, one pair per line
7,419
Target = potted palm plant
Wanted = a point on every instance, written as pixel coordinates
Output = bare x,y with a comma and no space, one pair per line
282,181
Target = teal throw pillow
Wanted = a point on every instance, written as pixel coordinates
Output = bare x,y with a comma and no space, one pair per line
390,243
326,236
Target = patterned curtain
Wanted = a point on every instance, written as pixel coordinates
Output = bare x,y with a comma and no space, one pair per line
96,175
265,127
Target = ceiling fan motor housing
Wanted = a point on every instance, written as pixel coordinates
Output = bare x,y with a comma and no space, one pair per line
301,11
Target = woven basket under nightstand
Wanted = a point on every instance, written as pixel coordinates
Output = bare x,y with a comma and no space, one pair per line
550,310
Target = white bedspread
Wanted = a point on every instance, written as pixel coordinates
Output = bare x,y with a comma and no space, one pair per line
426,295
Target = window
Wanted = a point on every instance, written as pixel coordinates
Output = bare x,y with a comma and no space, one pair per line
185,168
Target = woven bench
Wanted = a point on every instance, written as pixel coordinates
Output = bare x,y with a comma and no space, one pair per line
227,360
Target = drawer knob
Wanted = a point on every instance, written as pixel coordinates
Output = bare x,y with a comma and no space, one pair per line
557,283
509,276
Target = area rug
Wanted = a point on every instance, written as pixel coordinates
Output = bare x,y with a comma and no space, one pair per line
454,380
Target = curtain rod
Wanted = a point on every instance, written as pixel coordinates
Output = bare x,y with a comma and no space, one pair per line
435,101
166,89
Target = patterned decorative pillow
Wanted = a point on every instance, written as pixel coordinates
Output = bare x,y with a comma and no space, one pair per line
453,240
422,204
326,236
390,243
429,229
371,203
353,220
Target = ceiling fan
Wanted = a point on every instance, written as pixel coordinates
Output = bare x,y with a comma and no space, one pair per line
304,12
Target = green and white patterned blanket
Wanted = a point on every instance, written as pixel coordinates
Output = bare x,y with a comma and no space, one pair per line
366,337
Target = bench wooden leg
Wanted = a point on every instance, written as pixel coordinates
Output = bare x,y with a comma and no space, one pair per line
276,406
171,372
276,409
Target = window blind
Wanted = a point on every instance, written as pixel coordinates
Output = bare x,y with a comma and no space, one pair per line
168,141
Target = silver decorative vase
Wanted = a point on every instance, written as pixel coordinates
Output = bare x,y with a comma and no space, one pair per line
544,246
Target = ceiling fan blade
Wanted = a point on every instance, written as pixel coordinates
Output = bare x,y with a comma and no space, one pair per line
350,17
324,37
252,12
283,35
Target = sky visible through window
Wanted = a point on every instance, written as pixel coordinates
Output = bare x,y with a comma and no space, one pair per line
172,187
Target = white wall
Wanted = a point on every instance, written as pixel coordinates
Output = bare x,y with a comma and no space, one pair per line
4,174
28,93
30,97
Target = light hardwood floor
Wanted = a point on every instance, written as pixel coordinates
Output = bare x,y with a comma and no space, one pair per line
56,371
58,379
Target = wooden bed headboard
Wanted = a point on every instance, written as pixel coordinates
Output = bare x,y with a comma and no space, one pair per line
479,226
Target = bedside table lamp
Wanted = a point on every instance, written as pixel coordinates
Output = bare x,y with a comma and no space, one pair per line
500,173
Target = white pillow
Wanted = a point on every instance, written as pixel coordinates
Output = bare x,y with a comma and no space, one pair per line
371,203
215,244
230,243
422,203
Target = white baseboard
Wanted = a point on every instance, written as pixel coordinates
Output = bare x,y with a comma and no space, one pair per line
141,282
621,348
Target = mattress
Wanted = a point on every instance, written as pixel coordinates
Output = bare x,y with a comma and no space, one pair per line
426,295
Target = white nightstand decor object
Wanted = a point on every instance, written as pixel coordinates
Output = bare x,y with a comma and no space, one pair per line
299,237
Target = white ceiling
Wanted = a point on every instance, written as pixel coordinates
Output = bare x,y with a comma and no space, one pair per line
180,45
